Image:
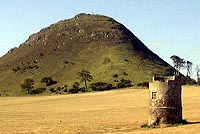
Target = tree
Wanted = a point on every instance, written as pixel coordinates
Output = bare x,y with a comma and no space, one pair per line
189,68
85,76
28,84
178,63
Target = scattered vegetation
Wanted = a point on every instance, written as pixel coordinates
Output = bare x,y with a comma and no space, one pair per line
53,90
69,63
37,90
64,88
124,83
49,81
143,84
101,86
25,67
75,88
124,73
115,75
94,42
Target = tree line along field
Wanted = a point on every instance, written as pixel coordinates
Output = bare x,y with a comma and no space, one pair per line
113,112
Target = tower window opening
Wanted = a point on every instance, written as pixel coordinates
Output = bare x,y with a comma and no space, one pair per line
154,95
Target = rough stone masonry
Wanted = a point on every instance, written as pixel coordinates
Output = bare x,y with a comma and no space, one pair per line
165,101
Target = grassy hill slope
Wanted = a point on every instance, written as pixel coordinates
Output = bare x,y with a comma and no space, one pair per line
95,43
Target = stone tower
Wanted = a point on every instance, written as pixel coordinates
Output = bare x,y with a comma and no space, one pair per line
165,101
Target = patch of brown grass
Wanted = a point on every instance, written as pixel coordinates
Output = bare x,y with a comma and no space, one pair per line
117,112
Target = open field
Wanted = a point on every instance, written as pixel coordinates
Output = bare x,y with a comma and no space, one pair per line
115,112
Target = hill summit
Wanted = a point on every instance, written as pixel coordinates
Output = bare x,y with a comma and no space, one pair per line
96,43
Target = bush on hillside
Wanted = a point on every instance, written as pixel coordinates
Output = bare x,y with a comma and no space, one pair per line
124,73
49,81
101,86
143,84
73,91
83,89
124,83
75,88
59,90
53,90
37,90
115,75
64,88
26,66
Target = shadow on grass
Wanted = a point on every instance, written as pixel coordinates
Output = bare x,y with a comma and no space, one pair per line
188,122
183,122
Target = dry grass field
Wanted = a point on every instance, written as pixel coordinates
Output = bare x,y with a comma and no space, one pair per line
111,112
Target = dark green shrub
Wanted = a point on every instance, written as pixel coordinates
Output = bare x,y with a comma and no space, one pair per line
59,90
126,60
18,68
143,84
37,90
83,89
52,90
41,54
49,81
64,88
14,70
116,80
124,73
115,75
76,85
75,88
124,83
26,66
101,86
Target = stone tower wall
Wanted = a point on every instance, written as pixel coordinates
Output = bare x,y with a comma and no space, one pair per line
165,101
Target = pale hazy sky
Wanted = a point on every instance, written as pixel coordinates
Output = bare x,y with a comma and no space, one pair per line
167,27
